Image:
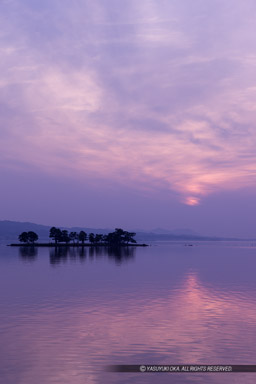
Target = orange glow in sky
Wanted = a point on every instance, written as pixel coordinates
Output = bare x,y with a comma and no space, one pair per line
192,200
136,99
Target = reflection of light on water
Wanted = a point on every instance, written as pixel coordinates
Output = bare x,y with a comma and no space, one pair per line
190,324
199,299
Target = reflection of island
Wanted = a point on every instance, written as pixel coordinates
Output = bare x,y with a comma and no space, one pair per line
28,253
117,254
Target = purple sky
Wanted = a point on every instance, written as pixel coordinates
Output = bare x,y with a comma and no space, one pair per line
136,114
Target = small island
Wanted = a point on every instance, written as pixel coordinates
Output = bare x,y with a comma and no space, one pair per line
63,238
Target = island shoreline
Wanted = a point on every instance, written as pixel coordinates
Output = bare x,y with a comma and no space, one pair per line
75,245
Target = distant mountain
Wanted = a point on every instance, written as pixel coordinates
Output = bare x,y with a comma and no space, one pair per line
160,231
185,231
178,231
151,236
10,230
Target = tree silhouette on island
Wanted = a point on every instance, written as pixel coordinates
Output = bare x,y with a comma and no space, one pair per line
62,237
28,237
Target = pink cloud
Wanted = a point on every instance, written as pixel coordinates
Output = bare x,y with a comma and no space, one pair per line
170,111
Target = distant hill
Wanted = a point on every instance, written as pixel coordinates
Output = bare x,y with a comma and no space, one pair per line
151,236
10,230
178,231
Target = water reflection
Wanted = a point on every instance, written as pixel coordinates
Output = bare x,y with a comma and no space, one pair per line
63,325
190,324
28,253
117,254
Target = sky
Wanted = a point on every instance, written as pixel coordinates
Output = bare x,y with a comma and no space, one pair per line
131,114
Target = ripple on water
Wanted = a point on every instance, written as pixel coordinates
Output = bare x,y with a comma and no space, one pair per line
64,325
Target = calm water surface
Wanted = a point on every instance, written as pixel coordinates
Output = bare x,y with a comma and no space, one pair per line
65,315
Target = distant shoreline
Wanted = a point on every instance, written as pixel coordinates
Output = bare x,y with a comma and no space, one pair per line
75,245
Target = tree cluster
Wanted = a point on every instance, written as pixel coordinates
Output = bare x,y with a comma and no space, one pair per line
63,236
28,237
116,238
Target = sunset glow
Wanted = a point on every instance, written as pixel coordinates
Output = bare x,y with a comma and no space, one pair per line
151,100
192,201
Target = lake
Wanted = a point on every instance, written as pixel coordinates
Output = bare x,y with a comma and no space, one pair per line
67,314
